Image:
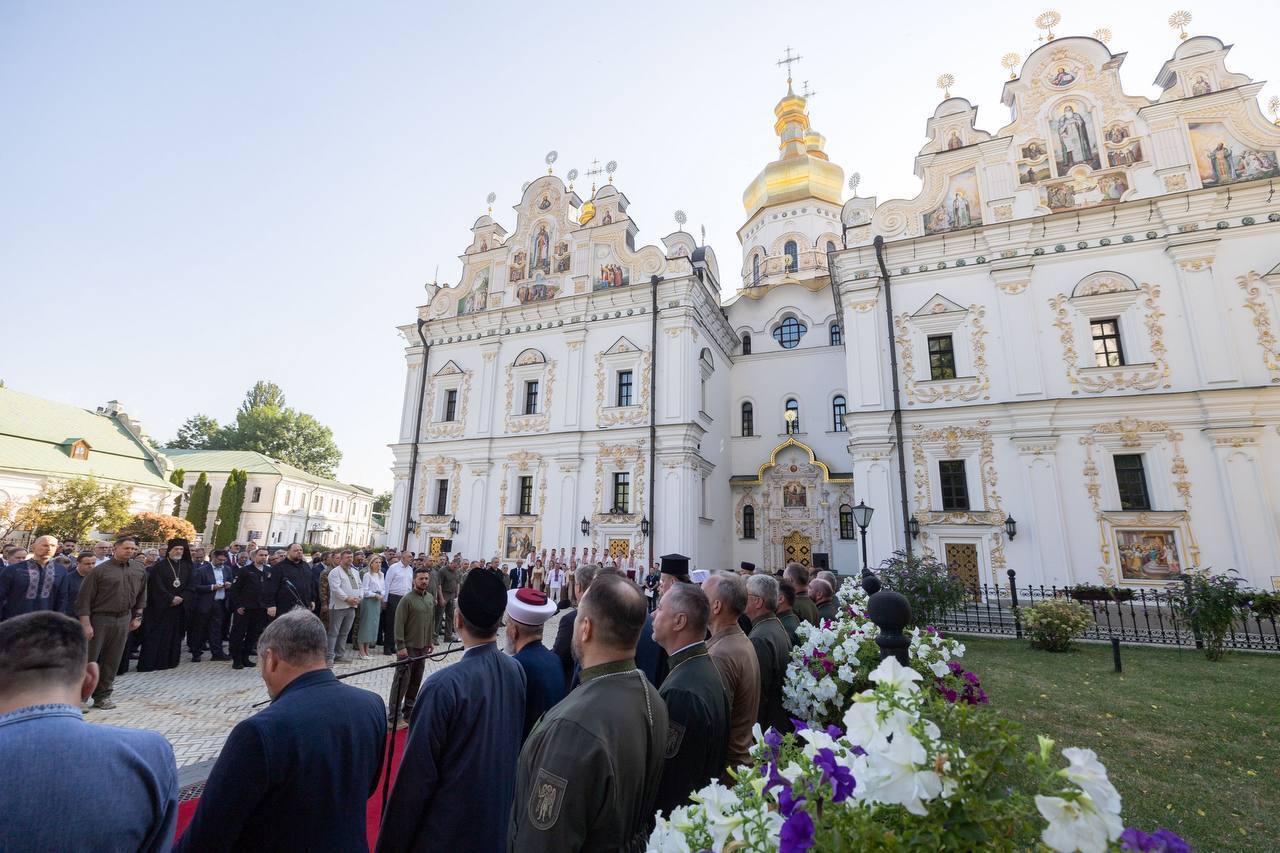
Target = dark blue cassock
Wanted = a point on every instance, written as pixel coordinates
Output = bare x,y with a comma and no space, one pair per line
544,681
454,787
298,775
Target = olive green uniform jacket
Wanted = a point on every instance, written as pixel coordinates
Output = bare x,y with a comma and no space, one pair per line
589,772
697,728
773,649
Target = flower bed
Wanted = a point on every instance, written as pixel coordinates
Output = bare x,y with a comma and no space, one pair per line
894,757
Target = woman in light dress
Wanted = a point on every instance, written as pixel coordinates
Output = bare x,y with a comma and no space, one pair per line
373,597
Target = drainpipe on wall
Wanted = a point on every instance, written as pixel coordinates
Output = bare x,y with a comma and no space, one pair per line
417,434
897,395
654,281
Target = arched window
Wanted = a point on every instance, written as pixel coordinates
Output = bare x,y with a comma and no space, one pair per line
837,414
748,420
791,417
831,246
746,343
793,255
755,269
846,522
748,522
837,335
789,332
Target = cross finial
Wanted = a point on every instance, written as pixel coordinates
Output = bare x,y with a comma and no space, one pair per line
806,92
592,172
788,60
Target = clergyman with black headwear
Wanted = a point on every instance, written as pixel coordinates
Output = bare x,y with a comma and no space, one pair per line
164,619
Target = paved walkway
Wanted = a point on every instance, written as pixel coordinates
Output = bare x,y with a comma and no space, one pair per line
196,705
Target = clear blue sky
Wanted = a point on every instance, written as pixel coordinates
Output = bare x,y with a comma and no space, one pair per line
196,197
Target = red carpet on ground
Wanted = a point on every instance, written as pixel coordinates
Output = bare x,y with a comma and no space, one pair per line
373,809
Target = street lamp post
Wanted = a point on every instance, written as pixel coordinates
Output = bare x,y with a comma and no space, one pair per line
862,518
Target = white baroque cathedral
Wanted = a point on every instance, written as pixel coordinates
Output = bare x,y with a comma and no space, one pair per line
1076,318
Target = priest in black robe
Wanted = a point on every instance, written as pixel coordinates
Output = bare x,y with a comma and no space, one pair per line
457,779
164,617
696,698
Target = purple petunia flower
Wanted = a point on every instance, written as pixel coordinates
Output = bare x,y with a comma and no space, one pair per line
834,732
773,740
798,725
841,780
1161,841
788,802
797,833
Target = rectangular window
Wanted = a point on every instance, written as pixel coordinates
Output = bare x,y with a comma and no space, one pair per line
622,491
451,404
257,495
531,397
748,420
526,496
942,357
847,527
838,411
624,388
1131,481
442,497
288,497
1107,351
955,486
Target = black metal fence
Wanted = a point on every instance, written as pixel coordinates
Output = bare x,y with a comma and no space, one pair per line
1131,615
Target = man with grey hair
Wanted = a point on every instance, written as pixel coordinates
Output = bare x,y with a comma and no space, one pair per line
563,646
262,792
823,595
28,584
773,649
733,655
830,577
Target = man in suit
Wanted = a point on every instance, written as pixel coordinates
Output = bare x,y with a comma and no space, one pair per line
289,584
298,775
207,607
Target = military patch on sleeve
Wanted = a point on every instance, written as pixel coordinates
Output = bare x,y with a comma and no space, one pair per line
545,799
675,734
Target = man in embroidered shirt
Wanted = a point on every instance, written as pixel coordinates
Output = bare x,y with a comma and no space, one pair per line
44,675
589,772
27,585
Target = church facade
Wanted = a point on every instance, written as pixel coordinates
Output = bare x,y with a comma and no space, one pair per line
1081,307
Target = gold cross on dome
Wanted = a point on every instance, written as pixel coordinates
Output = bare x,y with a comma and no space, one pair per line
806,92
788,60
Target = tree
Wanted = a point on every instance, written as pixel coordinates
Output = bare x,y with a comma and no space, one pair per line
228,518
198,505
154,527
16,515
382,503
290,436
176,478
72,508
263,395
196,433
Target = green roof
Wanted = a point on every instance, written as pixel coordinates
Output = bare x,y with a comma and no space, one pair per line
251,461
36,437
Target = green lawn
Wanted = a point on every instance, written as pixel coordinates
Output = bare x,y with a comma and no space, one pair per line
1191,745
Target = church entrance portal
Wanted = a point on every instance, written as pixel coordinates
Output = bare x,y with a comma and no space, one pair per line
798,548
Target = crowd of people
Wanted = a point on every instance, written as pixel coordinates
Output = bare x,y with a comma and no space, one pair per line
574,745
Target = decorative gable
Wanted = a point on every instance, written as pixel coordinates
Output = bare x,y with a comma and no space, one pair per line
622,345
450,368
78,449
938,304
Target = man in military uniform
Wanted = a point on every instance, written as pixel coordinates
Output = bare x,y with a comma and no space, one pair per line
448,574
109,606
589,772
798,576
697,703
773,650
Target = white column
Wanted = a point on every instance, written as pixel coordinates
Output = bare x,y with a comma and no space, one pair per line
1041,526
1018,330
1250,513
864,324
1202,304
575,341
487,398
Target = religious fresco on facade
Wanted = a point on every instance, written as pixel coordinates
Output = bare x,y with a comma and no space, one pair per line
1062,77
609,273
795,496
961,205
1201,86
562,256
1085,190
1073,139
540,251
1033,173
1117,134
1128,155
1148,555
517,541
477,299
954,141
518,260
1221,158
1033,150
537,290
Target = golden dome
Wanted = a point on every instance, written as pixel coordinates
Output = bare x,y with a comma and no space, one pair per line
587,214
802,169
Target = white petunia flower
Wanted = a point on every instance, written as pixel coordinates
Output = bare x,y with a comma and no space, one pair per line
895,676
1087,772
1077,825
